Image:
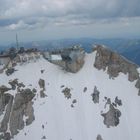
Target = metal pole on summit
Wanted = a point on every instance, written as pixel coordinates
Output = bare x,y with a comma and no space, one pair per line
17,42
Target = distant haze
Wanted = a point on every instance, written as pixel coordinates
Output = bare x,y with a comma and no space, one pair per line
54,19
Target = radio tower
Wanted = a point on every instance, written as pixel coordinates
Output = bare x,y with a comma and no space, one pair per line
17,42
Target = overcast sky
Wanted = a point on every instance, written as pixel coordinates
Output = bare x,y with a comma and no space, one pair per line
54,19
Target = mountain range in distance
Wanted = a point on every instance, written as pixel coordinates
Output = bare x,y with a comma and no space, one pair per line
129,48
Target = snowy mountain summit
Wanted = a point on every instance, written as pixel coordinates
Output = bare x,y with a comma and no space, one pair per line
69,95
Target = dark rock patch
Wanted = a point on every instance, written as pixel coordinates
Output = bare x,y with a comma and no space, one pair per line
13,83
95,95
4,89
41,83
62,86
22,107
118,101
67,93
85,89
44,137
114,63
10,71
42,71
99,137
73,102
111,118
5,136
138,86
42,94
6,118
43,126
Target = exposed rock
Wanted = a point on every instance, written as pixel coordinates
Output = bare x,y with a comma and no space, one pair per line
67,93
62,86
34,90
114,63
138,85
29,113
95,95
21,85
118,101
41,83
42,94
23,97
4,89
85,89
4,99
111,118
5,136
44,137
74,101
42,126
9,71
5,120
42,71
99,137
13,83
22,106
72,105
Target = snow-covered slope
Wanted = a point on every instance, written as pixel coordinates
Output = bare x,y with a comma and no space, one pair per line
71,109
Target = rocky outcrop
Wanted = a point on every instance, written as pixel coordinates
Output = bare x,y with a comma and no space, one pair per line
67,93
41,83
9,71
118,101
4,89
95,95
138,85
17,112
111,118
114,63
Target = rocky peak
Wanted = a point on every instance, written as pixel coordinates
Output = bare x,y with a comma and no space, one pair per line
114,64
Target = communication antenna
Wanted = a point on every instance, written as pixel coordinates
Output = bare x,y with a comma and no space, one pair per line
17,42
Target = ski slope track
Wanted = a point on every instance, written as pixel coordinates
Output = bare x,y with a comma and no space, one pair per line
87,105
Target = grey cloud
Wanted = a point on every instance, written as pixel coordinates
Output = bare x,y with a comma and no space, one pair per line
34,13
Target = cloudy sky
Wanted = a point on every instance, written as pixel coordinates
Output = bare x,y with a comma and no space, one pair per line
54,19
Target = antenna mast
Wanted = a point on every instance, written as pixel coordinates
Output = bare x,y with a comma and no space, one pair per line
17,42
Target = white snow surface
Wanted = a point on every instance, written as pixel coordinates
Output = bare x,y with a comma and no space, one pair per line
84,121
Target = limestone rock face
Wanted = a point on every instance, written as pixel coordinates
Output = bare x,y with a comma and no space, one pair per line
14,110
114,64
